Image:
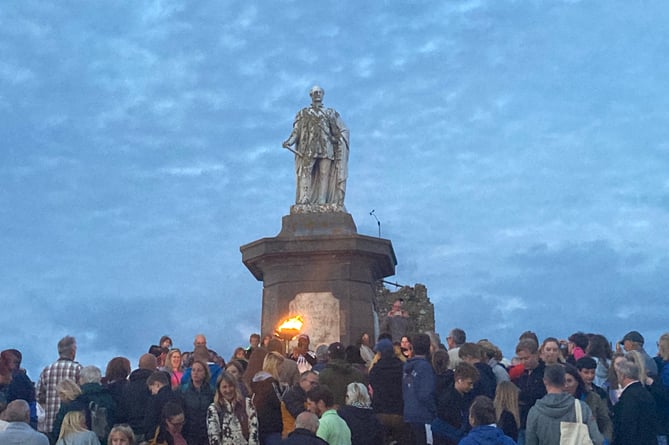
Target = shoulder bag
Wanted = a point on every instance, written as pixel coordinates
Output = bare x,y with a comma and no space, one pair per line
575,433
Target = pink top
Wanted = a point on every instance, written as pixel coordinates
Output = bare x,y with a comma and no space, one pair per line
175,377
179,439
577,353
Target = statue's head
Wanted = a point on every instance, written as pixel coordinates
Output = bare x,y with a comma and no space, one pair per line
316,92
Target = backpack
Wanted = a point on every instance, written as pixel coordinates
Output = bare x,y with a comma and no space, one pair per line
99,422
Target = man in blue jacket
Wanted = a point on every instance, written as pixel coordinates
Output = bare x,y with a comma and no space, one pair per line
418,389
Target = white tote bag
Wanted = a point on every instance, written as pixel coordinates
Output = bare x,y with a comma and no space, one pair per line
575,433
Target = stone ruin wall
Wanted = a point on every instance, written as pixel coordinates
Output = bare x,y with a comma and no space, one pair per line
416,302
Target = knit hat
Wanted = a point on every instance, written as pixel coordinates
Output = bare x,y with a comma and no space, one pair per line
384,345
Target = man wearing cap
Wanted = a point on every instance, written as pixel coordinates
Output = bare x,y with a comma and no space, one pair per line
338,373
633,341
302,355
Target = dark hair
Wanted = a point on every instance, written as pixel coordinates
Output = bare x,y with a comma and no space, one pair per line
554,375
579,339
421,344
353,355
572,371
599,347
158,376
158,350
529,335
482,411
163,338
319,393
464,370
172,409
586,363
336,351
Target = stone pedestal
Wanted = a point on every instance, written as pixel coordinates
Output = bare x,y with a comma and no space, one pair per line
320,268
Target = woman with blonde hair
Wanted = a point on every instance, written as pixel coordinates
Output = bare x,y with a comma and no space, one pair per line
73,431
68,391
174,367
506,408
121,435
231,418
267,395
366,429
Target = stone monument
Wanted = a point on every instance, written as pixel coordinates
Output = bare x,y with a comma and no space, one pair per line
318,266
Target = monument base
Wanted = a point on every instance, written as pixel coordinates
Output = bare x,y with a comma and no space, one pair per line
320,268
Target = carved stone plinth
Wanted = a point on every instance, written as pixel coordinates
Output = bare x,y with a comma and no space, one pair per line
320,268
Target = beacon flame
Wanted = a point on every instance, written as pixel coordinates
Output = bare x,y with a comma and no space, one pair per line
290,327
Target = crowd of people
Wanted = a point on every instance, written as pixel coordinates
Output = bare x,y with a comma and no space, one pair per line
396,390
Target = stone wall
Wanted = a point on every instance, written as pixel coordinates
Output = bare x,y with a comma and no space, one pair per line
416,302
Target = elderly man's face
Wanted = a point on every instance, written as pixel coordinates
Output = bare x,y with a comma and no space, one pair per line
200,340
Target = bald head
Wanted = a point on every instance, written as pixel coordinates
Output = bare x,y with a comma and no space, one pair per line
18,411
307,420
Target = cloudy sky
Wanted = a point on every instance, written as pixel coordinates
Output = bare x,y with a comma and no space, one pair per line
515,152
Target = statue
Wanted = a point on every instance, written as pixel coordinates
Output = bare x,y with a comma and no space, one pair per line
321,142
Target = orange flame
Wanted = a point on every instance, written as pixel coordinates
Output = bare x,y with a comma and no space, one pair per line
291,324
290,328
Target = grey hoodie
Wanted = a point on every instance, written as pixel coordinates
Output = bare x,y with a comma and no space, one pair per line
543,420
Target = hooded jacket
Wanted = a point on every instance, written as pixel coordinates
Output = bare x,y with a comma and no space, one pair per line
418,391
543,420
337,375
267,403
134,399
385,378
486,435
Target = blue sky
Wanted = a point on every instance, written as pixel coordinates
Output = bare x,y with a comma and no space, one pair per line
516,153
